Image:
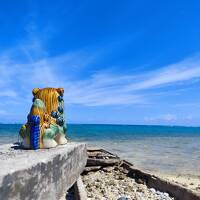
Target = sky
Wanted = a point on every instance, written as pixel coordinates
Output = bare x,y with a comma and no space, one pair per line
120,62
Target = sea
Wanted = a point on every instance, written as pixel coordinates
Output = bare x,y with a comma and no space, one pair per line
159,149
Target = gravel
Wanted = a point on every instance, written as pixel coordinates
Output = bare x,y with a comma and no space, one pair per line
112,184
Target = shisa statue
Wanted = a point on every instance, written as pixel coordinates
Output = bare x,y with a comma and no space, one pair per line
45,127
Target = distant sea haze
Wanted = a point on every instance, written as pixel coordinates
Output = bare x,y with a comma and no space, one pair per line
165,149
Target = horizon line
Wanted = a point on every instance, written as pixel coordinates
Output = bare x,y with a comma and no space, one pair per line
115,124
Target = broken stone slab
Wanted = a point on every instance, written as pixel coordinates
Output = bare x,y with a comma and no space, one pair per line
80,192
102,162
42,174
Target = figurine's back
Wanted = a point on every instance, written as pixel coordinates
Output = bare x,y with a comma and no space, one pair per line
48,108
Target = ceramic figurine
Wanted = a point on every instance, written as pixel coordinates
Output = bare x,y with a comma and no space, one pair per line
45,127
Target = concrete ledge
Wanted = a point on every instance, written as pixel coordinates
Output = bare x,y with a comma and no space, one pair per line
42,174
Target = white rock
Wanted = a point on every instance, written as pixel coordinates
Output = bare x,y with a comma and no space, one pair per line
153,190
166,194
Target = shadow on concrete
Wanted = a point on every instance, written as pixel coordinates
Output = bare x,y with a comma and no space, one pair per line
18,146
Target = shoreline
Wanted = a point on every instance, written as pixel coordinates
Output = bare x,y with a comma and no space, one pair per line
107,175
188,180
191,182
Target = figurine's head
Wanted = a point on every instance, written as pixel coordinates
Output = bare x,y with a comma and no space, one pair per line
50,97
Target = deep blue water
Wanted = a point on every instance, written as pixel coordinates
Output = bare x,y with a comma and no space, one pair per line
93,132
164,149
129,132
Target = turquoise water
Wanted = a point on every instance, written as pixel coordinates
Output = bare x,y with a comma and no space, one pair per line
154,148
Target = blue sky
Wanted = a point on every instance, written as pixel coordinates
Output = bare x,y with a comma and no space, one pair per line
121,62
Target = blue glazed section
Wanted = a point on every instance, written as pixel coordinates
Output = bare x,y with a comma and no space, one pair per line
35,132
60,98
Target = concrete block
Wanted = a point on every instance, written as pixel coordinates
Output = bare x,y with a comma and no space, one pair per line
42,174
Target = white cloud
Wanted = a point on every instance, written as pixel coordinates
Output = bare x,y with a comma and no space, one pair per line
168,117
20,71
164,118
182,71
8,93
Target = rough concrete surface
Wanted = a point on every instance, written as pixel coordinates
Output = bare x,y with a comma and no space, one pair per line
41,174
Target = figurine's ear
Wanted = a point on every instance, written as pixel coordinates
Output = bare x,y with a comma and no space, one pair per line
60,91
35,91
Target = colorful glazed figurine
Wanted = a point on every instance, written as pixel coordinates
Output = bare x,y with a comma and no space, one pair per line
45,127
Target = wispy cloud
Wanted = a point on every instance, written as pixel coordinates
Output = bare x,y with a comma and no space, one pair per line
106,88
19,76
179,72
165,118
8,93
